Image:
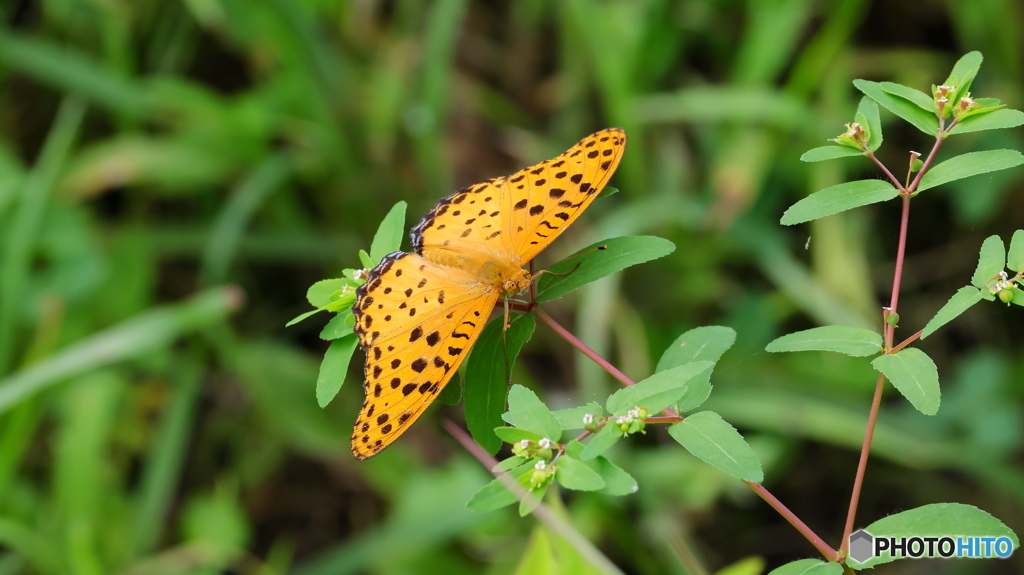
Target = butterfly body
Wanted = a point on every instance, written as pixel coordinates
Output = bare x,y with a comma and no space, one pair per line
418,314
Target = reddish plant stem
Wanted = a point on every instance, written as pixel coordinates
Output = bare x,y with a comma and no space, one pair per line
890,329
862,465
906,342
572,339
822,547
892,178
664,419
941,137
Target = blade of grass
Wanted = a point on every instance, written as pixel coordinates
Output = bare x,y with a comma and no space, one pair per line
22,235
234,218
164,461
148,331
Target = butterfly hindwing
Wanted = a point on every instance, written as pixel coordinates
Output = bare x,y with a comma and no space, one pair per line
416,321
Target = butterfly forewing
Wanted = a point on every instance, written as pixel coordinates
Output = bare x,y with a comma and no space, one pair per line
416,322
544,199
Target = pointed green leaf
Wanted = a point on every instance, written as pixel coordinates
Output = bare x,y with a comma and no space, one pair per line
706,343
914,374
970,164
994,120
514,434
936,520
487,377
389,234
990,262
961,301
823,153
451,394
530,413
617,481
528,504
909,111
1015,257
319,294
697,391
869,109
922,100
641,394
495,495
809,567
334,368
620,254
837,199
855,341
302,317
710,438
574,474
1018,296
602,441
366,260
510,463
572,418
964,71
338,327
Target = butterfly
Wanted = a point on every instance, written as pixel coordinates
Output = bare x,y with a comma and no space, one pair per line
418,314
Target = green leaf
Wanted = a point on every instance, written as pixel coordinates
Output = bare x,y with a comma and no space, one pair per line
338,327
514,434
808,567
538,558
697,391
909,111
319,294
602,441
530,413
334,368
1018,296
303,316
938,519
609,191
616,480
364,258
664,387
574,474
964,71
961,301
970,164
389,234
914,374
994,120
823,153
572,418
620,254
869,109
710,438
510,463
706,343
922,100
528,504
487,377
837,199
990,262
855,341
495,495
1015,257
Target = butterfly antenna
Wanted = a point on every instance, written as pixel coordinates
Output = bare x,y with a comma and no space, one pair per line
576,267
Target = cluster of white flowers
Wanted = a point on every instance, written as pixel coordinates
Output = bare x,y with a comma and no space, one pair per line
631,416
1002,284
541,464
361,274
588,418
524,444
347,289
544,443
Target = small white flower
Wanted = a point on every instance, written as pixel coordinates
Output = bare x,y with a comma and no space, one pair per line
347,289
361,274
588,418
544,443
942,99
524,444
540,465
635,488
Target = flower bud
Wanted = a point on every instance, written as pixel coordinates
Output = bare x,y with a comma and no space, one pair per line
1006,296
893,319
965,105
854,137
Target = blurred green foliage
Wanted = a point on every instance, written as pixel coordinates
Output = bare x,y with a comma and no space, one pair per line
153,420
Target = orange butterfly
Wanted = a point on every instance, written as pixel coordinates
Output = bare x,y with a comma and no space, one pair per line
418,314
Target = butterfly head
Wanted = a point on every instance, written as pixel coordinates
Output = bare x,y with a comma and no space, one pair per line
517,282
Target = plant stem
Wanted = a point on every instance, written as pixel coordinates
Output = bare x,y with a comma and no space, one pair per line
890,330
892,178
862,465
906,342
572,339
543,512
822,547
927,164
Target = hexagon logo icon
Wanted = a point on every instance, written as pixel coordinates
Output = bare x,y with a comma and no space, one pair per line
861,546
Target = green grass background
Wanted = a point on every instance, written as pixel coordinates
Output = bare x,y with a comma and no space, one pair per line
175,173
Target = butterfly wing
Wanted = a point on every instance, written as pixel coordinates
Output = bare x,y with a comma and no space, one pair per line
416,322
517,216
544,199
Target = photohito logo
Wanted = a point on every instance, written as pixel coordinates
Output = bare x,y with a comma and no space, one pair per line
864,546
